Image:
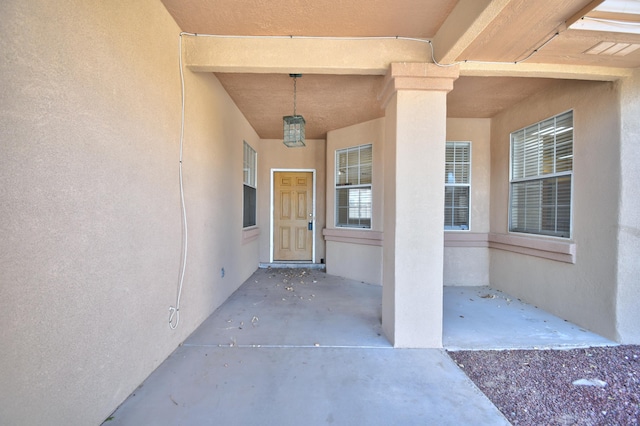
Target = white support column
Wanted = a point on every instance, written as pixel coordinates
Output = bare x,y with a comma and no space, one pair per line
415,98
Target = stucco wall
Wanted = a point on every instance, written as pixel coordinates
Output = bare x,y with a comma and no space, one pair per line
389,249
584,292
469,266
628,314
462,265
413,255
348,258
91,230
275,155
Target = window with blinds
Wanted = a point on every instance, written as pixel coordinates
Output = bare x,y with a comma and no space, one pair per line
249,187
457,186
353,187
541,177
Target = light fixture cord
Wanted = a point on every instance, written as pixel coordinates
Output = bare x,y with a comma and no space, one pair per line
294,96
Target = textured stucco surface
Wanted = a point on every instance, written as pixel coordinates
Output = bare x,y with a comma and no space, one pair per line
370,132
462,265
415,142
356,261
628,276
90,238
584,292
466,266
478,132
470,265
275,155
91,231
389,224
416,18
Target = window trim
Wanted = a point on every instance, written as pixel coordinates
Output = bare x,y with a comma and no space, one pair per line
253,182
468,185
542,177
356,186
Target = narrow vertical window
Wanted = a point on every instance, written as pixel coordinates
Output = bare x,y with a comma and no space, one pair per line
353,187
541,175
457,186
249,165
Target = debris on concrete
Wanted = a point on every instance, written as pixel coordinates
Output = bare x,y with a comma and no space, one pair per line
590,382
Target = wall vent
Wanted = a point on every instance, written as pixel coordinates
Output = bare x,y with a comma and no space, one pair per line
612,48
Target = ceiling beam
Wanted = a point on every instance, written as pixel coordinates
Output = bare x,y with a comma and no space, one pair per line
465,23
307,55
559,71
354,56
579,14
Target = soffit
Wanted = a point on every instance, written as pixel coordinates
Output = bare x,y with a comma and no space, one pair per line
334,101
331,102
327,102
484,97
524,25
570,48
410,18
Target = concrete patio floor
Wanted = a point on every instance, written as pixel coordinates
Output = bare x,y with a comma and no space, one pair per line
481,318
299,347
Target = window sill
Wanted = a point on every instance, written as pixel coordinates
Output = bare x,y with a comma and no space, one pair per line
465,239
250,234
353,236
561,251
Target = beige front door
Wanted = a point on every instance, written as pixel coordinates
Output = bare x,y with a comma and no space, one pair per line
292,214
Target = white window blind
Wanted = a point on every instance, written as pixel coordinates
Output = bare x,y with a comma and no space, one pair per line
457,185
541,177
353,186
249,166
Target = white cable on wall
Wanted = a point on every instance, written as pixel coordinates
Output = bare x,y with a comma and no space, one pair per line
174,311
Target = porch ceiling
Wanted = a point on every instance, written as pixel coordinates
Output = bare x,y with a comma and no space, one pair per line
478,30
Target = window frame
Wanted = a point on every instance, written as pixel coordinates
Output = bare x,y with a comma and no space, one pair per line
543,178
468,185
249,184
358,186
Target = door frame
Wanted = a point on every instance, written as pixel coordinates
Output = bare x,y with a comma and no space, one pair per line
313,210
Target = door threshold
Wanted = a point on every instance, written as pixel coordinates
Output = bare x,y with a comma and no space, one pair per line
292,264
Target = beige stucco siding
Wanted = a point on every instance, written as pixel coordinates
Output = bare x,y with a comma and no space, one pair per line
91,227
348,257
463,265
628,266
470,265
583,292
356,261
275,155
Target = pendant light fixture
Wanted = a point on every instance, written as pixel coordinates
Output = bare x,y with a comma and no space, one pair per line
294,124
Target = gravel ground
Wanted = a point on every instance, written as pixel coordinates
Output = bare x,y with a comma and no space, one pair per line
593,386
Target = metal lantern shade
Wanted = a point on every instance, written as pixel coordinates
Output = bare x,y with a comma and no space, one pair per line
293,130
294,124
